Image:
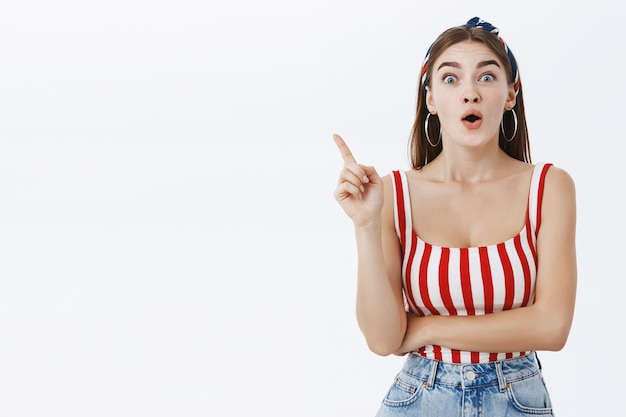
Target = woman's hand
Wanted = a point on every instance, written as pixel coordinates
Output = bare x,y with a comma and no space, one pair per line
360,188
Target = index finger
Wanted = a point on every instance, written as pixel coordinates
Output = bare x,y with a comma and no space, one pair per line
343,148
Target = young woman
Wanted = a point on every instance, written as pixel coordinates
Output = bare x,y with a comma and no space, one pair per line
466,263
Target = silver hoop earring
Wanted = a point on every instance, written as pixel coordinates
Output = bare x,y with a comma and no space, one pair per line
434,145
514,123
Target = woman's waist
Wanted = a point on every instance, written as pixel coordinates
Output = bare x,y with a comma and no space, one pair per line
454,356
471,374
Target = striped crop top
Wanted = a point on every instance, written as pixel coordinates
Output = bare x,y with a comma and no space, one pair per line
467,281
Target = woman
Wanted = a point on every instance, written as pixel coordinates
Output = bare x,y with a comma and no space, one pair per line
466,263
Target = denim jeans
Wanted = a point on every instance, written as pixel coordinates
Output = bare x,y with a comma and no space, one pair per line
428,388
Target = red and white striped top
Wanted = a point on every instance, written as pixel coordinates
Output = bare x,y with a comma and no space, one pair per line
467,281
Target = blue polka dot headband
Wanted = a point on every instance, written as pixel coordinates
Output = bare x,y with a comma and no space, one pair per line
477,22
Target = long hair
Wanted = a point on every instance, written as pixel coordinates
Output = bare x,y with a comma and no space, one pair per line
420,151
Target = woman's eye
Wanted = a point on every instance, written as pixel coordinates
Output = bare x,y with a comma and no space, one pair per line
449,79
487,78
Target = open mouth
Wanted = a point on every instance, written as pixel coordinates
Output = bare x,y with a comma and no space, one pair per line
472,119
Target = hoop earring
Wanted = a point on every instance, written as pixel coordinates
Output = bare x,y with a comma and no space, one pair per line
514,130
434,145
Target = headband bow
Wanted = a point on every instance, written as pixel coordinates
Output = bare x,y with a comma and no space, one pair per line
477,22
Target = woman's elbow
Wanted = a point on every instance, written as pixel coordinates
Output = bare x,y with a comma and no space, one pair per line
384,345
556,336
384,341
382,349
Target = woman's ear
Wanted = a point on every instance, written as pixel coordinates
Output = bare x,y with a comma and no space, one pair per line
510,98
430,103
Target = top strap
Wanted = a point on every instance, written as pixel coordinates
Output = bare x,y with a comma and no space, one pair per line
535,196
402,207
402,202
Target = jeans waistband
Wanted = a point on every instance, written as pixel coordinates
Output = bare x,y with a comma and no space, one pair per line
471,375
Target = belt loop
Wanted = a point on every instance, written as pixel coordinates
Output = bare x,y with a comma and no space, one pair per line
433,373
501,378
538,361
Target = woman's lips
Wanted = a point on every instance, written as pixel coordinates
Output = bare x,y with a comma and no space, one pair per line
472,125
472,120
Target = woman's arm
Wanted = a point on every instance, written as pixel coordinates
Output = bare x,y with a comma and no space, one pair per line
368,201
380,305
544,325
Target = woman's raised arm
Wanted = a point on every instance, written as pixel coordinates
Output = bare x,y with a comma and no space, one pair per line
368,200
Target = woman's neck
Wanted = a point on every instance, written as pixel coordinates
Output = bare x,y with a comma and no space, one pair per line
470,165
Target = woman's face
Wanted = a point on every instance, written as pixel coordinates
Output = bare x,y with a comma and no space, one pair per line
469,92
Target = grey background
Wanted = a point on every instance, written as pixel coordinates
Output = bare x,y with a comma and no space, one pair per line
169,243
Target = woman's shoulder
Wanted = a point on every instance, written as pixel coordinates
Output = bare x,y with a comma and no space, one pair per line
559,194
400,174
558,178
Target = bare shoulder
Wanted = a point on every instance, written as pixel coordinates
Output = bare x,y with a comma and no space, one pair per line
559,183
559,173
559,199
388,181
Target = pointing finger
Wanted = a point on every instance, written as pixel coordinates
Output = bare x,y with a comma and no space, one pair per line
343,148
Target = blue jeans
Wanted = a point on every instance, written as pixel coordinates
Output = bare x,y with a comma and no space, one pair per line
428,388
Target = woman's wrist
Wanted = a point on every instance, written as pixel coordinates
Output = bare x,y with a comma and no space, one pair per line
373,225
419,331
426,330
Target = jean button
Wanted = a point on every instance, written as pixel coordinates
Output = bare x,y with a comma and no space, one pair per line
470,375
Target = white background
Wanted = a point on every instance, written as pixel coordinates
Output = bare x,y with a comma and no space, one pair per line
169,243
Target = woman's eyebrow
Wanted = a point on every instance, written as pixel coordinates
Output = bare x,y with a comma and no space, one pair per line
449,64
479,65
489,62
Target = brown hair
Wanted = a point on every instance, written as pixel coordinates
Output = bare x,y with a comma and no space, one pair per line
420,151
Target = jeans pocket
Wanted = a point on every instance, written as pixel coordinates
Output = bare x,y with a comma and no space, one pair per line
530,396
404,390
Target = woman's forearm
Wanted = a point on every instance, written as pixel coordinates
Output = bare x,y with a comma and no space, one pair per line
521,329
380,307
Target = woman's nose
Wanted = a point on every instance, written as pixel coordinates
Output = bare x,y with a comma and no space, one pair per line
471,94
